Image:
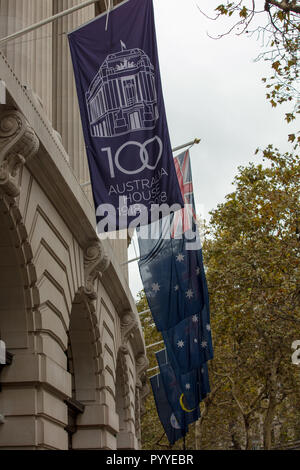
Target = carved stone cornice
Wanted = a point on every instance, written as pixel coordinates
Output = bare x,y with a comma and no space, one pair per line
96,261
18,143
129,325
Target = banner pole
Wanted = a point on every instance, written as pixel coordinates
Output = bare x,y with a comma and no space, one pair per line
130,261
145,311
153,368
154,344
28,29
188,144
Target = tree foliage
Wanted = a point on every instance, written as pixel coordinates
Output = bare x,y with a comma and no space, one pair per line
277,23
252,257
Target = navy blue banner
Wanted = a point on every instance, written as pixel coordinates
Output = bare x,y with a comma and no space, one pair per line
123,115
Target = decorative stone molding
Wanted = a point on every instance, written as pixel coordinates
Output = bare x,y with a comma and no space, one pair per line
138,414
18,143
142,386
144,392
9,207
124,350
130,233
96,261
129,325
142,364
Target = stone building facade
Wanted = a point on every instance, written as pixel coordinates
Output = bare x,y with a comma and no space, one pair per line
77,379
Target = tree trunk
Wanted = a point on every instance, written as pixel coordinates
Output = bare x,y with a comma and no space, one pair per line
198,432
271,392
270,413
247,432
235,442
198,428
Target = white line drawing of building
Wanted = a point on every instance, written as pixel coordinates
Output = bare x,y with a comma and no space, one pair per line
122,96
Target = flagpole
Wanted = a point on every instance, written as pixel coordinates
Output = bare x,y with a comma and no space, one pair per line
188,144
153,368
130,261
154,344
28,29
145,311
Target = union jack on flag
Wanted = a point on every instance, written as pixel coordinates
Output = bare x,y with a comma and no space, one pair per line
183,218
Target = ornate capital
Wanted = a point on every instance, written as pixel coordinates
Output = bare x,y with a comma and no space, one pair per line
144,393
129,325
124,350
18,143
142,364
96,261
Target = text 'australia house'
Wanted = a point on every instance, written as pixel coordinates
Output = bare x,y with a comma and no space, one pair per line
122,97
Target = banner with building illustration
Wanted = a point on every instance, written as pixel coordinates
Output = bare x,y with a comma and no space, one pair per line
123,116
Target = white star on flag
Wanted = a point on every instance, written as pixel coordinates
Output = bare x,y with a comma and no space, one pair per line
208,327
180,257
155,287
189,294
194,319
187,386
202,371
204,344
198,271
180,343
176,287
195,340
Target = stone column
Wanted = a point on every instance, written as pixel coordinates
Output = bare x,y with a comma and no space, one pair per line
30,55
66,118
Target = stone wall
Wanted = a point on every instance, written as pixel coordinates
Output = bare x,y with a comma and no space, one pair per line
77,378
42,62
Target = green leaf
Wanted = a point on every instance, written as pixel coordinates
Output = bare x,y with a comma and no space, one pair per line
244,12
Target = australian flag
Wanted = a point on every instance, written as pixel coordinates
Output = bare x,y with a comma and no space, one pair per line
189,343
193,386
173,429
175,394
171,264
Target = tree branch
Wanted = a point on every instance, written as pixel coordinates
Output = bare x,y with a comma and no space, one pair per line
285,5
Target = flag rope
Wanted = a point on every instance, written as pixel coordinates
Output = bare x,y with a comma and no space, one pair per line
108,7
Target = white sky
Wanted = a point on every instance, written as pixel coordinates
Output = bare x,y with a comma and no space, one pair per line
213,91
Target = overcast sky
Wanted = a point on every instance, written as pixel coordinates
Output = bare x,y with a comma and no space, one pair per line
213,91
